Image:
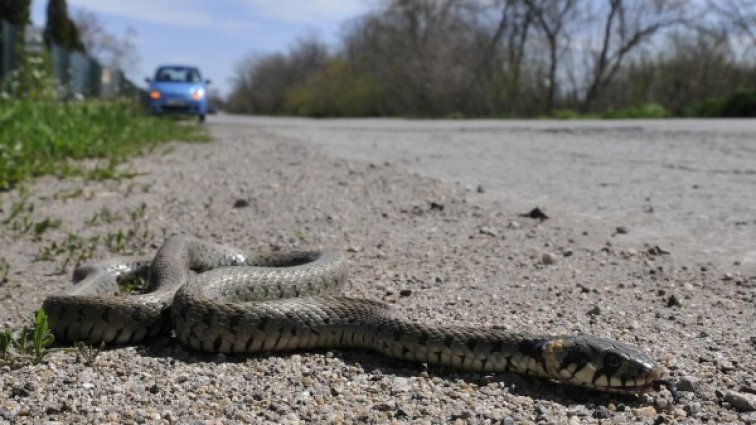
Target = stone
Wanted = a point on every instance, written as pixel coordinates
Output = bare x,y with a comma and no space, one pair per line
741,401
549,258
241,203
688,383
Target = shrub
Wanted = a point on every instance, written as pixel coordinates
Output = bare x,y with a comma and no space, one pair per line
336,91
739,104
646,110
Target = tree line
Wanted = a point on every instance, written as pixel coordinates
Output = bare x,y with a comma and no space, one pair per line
516,58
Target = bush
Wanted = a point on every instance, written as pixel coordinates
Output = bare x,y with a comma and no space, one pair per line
709,108
336,91
646,110
742,103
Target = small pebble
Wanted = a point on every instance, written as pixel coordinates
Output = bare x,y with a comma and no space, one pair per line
656,251
688,383
436,206
241,203
741,401
594,311
400,384
602,412
536,213
644,412
674,301
549,258
692,408
489,231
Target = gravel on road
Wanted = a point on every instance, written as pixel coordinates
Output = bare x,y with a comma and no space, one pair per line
439,250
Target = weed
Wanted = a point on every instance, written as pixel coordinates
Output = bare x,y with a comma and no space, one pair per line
70,194
104,215
109,172
4,270
137,285
89,352
41,227
19,218
42,337
28,345
74,248
133,239
6,342
20,221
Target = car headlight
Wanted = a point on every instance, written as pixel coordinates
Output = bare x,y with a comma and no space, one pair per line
154,95
198,94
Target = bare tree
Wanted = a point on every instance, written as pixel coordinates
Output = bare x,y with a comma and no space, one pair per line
626,26
261,81
497,53
111,50
424,52
551,17
513,57
741,14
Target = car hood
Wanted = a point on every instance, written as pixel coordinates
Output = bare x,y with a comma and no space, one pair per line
175,87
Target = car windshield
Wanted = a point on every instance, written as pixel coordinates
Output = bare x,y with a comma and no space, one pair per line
177,74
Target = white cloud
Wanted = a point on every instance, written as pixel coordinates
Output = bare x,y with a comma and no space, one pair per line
227,14
170,12
310,11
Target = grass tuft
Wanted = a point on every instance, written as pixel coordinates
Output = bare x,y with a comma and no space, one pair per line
27,345
42,137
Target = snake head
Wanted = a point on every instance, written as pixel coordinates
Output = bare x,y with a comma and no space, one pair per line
599,363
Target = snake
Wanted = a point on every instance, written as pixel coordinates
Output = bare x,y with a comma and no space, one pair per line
220,299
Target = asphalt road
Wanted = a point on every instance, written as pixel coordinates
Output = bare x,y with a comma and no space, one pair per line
688,186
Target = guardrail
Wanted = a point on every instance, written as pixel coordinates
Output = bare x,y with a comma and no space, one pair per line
80,73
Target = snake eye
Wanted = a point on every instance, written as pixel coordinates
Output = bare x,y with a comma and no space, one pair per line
612,361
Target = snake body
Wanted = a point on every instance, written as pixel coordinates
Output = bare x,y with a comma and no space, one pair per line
219,299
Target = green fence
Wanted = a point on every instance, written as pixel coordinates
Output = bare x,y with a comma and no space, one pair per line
78,72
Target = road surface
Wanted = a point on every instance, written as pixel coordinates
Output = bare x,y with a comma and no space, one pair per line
687,186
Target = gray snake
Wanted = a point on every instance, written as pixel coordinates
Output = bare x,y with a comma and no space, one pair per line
220,299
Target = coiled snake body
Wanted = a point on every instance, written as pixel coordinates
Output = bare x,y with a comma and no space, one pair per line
219,299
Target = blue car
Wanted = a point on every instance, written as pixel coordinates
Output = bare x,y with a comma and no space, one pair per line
178,89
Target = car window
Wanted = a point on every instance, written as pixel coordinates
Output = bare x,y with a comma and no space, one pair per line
177,74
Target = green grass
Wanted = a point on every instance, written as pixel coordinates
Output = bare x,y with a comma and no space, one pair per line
27,345
39,137
646,110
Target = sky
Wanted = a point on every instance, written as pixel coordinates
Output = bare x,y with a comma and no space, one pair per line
214,35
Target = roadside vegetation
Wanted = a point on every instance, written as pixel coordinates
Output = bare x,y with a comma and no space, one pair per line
27,345
565,59
48,131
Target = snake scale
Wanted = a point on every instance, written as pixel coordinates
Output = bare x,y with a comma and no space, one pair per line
220,299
